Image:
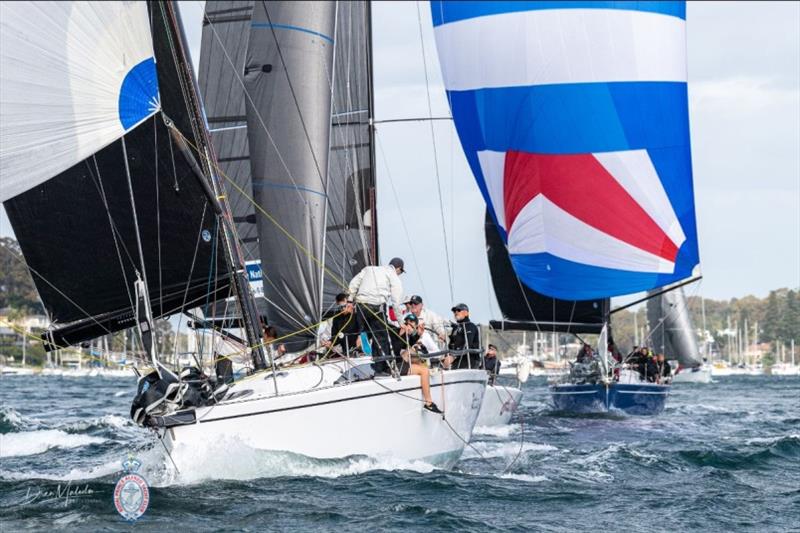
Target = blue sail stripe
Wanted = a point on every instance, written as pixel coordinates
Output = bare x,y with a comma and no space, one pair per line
557,277
573,118
290,27
453,11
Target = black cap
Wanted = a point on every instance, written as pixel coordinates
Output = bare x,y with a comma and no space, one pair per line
416,299
410,316
397,263
460,307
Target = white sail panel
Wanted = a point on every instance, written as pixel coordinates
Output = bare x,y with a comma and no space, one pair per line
544,47
568,237
74,77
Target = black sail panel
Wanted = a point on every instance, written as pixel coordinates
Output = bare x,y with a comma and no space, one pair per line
77,233
288,75
226,32
351,185
523,308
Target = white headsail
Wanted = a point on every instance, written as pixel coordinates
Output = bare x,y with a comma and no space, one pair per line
76,76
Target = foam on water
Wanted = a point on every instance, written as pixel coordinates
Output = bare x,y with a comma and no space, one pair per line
234,460
524,477
106,421
36,442
502,432
488,450
10,419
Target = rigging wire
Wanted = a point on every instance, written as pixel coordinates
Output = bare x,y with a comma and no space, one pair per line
158,215
114,231
435,154
256,111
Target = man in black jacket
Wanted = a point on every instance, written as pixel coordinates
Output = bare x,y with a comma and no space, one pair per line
464,336
663,370
492,363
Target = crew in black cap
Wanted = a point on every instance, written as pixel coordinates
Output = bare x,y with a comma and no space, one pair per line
464,336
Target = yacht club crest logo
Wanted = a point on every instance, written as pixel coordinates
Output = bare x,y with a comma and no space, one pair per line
131,495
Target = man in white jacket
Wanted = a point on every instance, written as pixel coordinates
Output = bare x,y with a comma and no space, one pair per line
373,289
430,320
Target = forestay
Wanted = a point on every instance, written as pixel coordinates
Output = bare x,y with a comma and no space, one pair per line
574,120
76,76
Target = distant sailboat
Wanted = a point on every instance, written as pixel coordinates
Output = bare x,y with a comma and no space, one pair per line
123,215
673,334
574,120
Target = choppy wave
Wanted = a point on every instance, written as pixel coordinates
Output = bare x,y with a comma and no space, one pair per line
10,420
571,473
488,450
36,442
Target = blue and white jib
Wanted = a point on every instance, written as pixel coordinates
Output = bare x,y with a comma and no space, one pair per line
574,119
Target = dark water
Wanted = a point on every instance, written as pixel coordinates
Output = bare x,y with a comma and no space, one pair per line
723,457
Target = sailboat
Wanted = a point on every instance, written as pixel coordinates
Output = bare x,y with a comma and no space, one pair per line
574,120
124,216
672,333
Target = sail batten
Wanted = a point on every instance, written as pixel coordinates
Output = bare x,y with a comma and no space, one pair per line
573,117
222,57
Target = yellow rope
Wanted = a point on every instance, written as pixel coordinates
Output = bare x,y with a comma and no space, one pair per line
284,230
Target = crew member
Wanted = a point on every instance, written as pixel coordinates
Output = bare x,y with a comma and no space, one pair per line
344,328
586,355
373,289
663,369
491,363
464,336
429,319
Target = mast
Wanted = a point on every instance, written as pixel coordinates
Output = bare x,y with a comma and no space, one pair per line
705,338
374,256
250,317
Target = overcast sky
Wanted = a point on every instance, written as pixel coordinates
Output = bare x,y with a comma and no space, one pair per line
744,88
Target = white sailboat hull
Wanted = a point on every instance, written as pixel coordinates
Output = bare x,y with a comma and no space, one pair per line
499,404
381,418
689,375
785,369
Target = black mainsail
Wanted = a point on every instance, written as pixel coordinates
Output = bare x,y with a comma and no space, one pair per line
288,94
671,329
350,227
226,32
287,77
